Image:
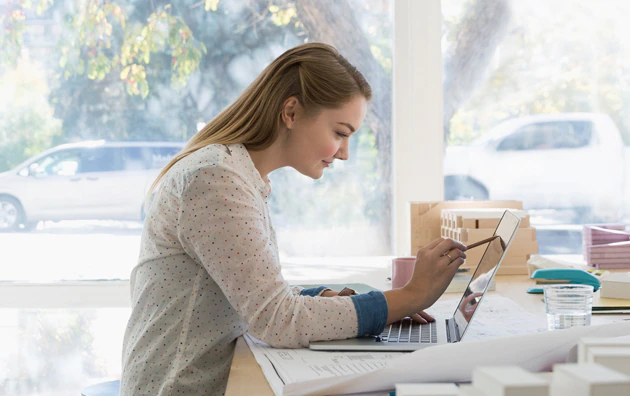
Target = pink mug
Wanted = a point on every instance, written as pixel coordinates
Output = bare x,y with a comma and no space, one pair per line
402,269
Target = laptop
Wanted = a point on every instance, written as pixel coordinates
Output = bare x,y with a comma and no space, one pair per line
407,335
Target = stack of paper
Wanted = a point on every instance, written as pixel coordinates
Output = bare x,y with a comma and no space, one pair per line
606,246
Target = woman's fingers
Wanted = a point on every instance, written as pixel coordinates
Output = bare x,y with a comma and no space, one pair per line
426,316
422,317
454,256
433,243
419,319
449,244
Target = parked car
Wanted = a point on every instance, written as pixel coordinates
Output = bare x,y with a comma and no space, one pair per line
558,161
88,180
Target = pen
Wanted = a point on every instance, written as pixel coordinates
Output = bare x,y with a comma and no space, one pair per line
492,238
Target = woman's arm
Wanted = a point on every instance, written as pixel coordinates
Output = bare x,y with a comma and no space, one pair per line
224,226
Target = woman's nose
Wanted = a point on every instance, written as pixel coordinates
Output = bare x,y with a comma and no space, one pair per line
342,154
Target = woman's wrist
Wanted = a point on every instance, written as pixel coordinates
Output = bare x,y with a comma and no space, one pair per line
402,302
329,293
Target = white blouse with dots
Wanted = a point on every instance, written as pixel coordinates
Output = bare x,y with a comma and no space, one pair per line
209,271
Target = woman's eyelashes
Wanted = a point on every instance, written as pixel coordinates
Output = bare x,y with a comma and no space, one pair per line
341,134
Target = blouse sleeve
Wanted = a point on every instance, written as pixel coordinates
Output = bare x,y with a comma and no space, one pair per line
223,226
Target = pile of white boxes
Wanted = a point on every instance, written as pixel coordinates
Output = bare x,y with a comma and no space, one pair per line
603,369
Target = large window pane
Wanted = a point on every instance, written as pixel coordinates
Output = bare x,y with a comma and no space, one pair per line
59,351
536,109
95,97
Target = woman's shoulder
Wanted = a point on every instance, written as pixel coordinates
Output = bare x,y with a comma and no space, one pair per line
220,159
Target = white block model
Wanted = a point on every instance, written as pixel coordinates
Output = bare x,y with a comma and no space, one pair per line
508,381
588,379
593,342
615,358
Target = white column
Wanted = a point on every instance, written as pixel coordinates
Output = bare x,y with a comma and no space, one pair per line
418,133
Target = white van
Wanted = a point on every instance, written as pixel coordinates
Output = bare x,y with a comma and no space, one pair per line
79,181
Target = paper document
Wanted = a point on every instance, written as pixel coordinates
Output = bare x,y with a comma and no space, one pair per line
285,366
455,362
497,317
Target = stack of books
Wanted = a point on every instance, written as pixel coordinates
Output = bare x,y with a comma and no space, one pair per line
606,246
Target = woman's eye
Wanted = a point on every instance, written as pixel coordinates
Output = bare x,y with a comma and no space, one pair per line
343,135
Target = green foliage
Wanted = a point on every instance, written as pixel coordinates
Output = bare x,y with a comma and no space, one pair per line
92,46
282,17
212,5
162,32
27,125
13,27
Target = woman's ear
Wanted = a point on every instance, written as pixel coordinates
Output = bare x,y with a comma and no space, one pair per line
289,109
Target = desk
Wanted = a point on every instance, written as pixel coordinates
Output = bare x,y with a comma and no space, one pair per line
246,377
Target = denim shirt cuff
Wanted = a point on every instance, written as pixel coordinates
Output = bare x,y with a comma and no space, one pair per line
313,291
371,311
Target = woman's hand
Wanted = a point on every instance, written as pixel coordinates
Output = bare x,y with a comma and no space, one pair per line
329,293
436,265
466,310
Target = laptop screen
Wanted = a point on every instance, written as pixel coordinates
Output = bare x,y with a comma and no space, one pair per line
488,265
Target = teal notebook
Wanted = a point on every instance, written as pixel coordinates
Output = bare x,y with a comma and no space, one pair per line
358,287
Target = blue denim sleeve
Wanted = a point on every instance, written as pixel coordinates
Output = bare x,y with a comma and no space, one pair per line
372,312
313,291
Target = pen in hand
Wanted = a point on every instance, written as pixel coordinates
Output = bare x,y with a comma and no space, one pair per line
492,238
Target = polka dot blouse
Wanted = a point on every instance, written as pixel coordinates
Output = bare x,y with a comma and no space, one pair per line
208,272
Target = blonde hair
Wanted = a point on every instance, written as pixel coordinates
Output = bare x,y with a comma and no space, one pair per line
315,73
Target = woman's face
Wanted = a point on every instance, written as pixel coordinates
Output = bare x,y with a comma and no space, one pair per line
314,142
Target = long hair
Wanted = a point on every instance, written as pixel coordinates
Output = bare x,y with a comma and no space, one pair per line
315,73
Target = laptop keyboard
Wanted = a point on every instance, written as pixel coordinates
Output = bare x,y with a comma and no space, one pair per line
408,331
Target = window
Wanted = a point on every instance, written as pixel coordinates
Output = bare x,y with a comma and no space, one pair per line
542,100
103,86
136,158
548,136
160,156
107,159
62,163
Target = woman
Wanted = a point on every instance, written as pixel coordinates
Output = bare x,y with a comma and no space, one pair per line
209,270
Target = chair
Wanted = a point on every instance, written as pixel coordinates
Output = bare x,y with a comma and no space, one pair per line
110,388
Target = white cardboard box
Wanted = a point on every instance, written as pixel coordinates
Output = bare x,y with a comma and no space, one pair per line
615,358
469,390
592,342
508,381
588,379
616,285
426,390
